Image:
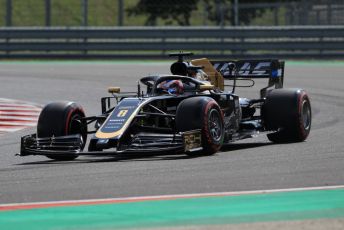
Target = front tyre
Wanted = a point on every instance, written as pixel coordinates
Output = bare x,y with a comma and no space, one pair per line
205,114
61,119
289,112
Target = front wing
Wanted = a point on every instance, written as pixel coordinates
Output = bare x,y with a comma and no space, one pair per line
143,142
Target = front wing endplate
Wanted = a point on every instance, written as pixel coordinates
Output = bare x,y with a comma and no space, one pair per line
192,140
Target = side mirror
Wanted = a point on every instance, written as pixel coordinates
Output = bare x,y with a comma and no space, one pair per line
206,87
114,90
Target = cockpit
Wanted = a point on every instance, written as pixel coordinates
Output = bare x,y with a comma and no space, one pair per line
172,84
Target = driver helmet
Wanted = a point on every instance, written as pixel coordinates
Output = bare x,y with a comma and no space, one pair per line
172,86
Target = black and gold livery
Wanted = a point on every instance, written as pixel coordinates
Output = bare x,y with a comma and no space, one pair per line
202,115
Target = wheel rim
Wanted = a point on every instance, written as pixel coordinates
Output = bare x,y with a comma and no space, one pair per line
306,114
75,127
215,126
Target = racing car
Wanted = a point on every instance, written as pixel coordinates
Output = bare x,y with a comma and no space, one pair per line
197,118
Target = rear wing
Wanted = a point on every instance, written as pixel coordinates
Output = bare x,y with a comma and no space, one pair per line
251,69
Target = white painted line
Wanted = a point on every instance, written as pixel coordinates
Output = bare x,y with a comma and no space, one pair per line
16,105
21,123
9,109
171,197
15,118
10,130
6,100
16,115
26,113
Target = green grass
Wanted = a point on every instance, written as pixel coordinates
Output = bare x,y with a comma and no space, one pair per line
68,13
283,206
2,12
100,13
63,12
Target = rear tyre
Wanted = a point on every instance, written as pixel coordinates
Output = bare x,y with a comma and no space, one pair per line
60,119
202,113
288,111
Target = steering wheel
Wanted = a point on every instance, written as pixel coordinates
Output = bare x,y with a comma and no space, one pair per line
160,91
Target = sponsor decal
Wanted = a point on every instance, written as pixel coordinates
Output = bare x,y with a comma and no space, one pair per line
192,140
116,123
247,69
122,113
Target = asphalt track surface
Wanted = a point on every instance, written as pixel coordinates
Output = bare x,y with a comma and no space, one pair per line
253,164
